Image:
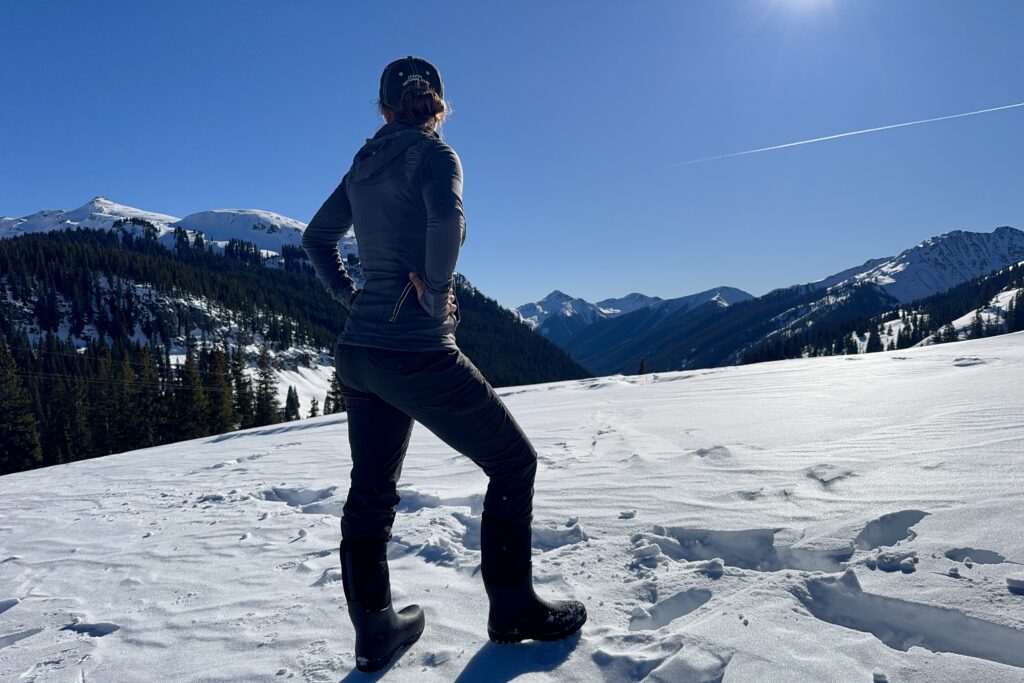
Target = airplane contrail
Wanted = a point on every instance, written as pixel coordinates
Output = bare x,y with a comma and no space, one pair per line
846,135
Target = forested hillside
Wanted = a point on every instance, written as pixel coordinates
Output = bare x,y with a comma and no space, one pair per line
992,305
112,341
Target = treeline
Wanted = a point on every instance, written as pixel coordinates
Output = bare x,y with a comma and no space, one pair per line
139,300
92,277
59,404
96,273
906,326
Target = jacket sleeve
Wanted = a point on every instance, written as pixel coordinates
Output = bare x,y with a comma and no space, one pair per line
320,242
446,228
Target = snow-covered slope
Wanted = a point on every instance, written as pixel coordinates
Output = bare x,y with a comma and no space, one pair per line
625,304
723,297
268,230
844,275
992,316
864,512
945,261
99,213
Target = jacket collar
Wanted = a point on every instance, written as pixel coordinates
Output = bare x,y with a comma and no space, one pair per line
387,143
398,127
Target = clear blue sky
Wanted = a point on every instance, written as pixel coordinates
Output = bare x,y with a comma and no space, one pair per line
568,116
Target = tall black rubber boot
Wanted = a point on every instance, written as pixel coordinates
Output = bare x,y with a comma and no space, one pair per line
517,613
380,631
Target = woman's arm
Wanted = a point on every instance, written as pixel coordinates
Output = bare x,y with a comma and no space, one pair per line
446,229
320,242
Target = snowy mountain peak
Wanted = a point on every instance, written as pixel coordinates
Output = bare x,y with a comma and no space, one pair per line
268,230
556,295
941,262
557,303
99,213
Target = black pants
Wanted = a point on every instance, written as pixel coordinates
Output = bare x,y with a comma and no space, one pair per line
385,390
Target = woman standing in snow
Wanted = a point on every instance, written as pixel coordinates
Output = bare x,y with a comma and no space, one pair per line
397,361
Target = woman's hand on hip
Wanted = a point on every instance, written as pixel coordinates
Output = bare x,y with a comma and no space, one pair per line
418,283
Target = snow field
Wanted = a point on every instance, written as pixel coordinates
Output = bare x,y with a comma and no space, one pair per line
789,521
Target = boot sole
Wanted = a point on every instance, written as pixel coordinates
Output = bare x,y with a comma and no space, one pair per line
510,638
380,663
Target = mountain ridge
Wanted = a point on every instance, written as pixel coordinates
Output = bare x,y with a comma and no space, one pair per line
268,230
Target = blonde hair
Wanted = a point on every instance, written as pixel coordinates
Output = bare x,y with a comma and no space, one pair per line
419,107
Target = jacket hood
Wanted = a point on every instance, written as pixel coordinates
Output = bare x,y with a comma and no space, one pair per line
390,141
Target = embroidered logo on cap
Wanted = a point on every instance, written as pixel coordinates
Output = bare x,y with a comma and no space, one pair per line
420,81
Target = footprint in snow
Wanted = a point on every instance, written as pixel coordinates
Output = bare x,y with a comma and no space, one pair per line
971,556
828,474
664,612
662,657
712,453
902,624
889,529
96,630
12,638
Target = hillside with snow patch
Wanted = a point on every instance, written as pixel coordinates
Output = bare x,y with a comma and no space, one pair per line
823,519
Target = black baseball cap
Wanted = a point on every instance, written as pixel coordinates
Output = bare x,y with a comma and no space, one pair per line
408,73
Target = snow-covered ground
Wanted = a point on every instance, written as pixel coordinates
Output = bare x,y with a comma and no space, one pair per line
823,519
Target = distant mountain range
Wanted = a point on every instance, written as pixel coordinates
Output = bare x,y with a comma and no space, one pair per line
219,298
560,317
721,326
269,231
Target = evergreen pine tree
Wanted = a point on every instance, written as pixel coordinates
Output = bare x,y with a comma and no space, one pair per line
291,405
193,406
642,368
268,407
335,399
314,407
977,326
874,342
147,401
101,404
222,409
125,422
81,433
245,407
19,438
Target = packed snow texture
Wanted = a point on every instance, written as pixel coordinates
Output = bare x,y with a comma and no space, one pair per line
826,519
